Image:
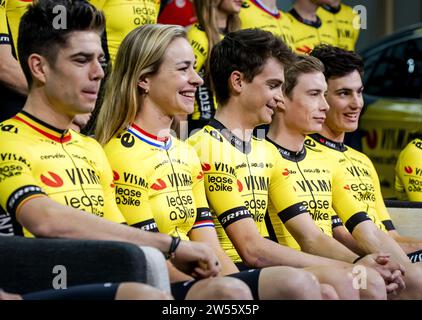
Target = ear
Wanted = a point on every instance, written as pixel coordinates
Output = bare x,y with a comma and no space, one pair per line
236,81
39,67
144,84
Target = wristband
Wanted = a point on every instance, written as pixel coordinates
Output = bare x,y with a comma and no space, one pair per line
357,259
175,241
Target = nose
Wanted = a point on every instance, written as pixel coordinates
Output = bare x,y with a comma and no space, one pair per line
357,101
97,72
195,79
324,107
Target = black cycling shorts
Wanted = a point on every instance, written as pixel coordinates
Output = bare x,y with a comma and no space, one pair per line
103,291
179,290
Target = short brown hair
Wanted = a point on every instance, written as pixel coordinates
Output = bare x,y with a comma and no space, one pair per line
304,64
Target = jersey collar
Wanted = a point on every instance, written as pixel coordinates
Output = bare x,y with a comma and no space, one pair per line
339,146
162,143
242,146
315,24
287,154
47,130
331,9
266,9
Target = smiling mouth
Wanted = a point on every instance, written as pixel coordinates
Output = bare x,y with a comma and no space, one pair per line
351,116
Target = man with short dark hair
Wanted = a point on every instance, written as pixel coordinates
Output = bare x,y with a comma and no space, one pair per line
55,182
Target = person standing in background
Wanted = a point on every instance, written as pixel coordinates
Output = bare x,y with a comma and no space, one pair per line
264,14
308,28
346,21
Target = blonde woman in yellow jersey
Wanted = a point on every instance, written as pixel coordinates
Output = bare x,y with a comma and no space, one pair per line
264,14
308,29
343,72
159,179
408,182
215,19
344,19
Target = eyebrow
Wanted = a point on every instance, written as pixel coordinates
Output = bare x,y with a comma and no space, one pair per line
86,55
185,62
349,89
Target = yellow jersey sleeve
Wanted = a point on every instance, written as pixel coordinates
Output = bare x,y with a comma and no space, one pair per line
408,183
4,32
17,181
131,186
203,213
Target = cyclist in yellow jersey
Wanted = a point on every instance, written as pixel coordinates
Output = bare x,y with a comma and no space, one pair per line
122,17
50,183
159,179
408,182
241,173
264,14
13,86
215,19
345,20
315,183
307,28
343,73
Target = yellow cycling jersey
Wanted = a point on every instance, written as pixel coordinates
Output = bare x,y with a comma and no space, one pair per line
122,16
14,10
408,182
307,34
205,103
37,159
239,178
346,22
313,183
360,178
159,183
254,14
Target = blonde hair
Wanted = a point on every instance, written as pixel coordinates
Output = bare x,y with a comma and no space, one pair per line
206,12
140,53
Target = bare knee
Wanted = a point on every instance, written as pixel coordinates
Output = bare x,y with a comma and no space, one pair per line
328,292
288,283
371,285
223,288
140,291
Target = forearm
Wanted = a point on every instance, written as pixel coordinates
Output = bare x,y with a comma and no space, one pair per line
406,243
328,247
343,236
58,221
176,275
375,241
267,253
11,75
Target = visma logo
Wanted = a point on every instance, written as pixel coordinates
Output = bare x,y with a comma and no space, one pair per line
116,176
200,175
286,172
239,186
347,187
159,185
206,166
53,181
408,170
